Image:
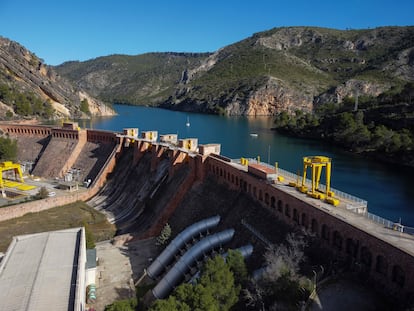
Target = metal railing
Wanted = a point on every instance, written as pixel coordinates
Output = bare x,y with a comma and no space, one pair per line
359,202
396,226
379,220
355,208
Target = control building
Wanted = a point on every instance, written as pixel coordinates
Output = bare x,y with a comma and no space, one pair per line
44,271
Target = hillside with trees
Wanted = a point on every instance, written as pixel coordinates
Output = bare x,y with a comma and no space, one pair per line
282,69
31,89
380,126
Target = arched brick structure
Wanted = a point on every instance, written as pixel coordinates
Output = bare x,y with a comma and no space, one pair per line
390,268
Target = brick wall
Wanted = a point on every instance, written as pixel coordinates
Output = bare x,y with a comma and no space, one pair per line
389,268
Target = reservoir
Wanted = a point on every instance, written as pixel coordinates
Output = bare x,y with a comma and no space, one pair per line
386,187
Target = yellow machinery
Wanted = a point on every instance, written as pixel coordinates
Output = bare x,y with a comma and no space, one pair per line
8,166
317,163
279,177
244,161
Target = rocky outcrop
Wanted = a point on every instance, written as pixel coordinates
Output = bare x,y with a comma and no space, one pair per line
272,98
24,72
352,88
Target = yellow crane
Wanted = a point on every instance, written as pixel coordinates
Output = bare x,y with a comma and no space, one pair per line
317,163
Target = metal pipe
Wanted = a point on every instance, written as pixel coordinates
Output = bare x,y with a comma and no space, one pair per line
165,258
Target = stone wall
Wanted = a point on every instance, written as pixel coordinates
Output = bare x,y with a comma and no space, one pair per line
26,130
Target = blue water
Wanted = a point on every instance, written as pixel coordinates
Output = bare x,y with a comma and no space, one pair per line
388,189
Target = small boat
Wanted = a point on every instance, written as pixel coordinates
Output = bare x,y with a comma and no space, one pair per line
188,122
254,134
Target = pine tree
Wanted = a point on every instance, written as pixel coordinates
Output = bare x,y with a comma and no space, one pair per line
164,235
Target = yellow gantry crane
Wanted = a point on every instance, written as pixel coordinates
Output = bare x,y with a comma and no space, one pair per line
317,163
10,166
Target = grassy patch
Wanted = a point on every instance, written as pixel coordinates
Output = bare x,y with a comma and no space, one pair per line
58,218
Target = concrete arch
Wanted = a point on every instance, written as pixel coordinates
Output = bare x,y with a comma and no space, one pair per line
296,216
287,210
366,258
325,232
280,206
315,226
398,275
351,247
244,187
381,265
304,221
337,240
272,202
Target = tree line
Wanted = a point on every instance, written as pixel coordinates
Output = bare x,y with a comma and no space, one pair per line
383,124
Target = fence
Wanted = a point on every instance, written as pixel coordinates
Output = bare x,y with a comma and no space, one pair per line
379,220
359,203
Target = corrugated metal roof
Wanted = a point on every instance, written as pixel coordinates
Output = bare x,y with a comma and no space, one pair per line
37,271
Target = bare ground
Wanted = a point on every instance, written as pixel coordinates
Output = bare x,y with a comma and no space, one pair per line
118,267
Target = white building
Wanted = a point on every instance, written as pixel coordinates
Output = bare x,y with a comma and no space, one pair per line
44,271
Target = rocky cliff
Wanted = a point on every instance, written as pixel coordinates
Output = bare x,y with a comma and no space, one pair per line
25,78
283,69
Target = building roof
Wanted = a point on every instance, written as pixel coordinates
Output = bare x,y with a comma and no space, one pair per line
39,271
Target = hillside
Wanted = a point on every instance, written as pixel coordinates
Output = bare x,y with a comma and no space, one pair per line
31,89
283,69
146,79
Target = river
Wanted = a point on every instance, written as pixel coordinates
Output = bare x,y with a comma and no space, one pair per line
386,187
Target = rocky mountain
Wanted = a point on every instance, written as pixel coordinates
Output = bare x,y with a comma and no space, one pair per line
29,88
147,79
283,69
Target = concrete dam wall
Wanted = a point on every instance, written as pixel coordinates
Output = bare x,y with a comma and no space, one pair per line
152,183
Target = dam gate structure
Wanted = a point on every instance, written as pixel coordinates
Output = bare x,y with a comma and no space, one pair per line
385,256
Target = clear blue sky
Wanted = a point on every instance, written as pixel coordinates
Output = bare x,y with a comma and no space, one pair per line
63,30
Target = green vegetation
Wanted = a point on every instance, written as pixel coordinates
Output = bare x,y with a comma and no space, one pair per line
123,305
164,235
282,287
384,124
25,103
42,194
89,237
215,290
302,61
8,149
141,80
84,106
58,218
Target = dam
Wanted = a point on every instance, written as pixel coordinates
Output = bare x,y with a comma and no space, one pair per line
141,181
